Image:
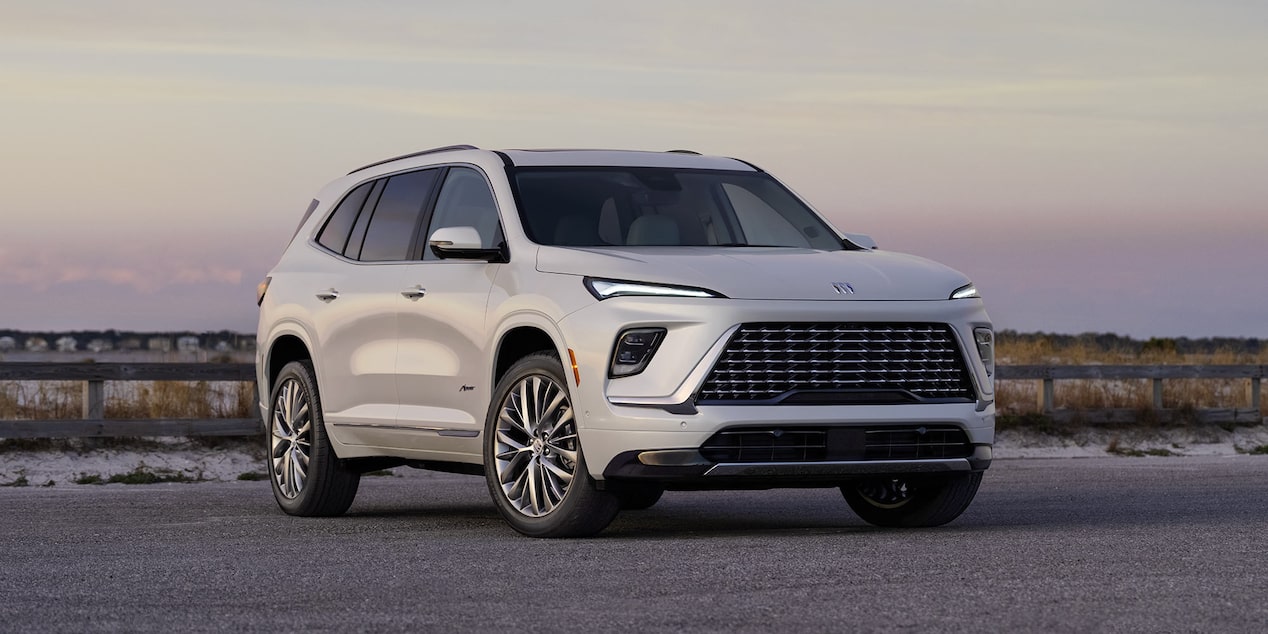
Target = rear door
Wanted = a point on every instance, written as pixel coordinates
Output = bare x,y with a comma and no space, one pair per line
357,328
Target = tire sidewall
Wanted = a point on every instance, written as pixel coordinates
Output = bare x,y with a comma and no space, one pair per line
307,502
575,515
935,501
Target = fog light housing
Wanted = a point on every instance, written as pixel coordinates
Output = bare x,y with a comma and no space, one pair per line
985,340
634,350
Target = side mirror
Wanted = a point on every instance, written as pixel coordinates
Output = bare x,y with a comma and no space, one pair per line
861,240
462,243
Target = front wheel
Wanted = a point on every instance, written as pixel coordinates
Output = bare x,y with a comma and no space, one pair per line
534,465
910,502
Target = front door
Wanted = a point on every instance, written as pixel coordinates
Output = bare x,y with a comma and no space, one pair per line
442,361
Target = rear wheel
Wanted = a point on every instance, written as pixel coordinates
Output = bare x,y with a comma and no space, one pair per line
904,501
308,478
534,465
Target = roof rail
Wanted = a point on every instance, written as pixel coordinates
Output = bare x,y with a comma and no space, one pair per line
683,152
447,148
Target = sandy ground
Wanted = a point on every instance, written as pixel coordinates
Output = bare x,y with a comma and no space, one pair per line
1091,442
68,461
64,462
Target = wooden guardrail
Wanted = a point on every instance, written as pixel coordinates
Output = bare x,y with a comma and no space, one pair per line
94,376
1049,374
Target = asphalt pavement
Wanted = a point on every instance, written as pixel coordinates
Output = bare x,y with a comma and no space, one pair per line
1113,544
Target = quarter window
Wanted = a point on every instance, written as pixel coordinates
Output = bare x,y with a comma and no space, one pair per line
334,235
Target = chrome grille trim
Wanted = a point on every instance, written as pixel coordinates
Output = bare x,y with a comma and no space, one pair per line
764,361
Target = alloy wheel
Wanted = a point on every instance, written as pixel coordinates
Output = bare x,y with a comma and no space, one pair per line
291,438
536,445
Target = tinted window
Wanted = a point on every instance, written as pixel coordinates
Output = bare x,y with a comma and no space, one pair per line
334,235
614,206
466,201
395,218
353,250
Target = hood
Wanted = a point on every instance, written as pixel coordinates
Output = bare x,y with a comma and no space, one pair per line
764,272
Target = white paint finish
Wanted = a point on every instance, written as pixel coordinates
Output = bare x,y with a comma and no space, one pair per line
764,273
445,343
430,347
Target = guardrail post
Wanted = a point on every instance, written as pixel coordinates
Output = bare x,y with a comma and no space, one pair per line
94,400
1157,393
1254,393
1045,397
253,409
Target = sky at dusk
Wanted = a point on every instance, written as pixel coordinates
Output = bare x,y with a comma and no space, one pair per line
1092,166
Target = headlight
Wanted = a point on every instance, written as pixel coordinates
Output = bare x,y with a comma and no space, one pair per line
985,340
603,289
634,350
965,292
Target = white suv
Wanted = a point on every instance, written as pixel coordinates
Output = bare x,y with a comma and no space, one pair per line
588,328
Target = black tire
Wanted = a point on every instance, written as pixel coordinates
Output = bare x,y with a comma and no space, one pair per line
326,487
530,455
912,502
636,496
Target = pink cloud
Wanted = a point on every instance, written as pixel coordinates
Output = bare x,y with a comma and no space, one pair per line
41,272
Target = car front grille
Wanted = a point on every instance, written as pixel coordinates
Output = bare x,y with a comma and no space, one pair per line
867,362
812,444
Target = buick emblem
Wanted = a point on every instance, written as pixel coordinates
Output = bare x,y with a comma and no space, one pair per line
843,288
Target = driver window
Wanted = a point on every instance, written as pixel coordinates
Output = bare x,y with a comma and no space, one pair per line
465,201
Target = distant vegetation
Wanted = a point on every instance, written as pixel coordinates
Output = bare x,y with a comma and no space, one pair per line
1044,348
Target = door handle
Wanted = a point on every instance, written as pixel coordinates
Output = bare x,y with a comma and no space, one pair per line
328,295
414,292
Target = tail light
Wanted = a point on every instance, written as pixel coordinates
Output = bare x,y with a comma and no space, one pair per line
261,289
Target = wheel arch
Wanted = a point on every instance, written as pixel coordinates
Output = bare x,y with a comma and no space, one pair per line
520,340
285,345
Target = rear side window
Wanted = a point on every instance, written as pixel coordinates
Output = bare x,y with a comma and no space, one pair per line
334,235
353,250
391,231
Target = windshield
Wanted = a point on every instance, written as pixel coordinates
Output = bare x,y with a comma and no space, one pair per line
638,206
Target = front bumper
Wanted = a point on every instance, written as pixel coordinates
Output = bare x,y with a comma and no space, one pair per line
653,431
654,410
688,469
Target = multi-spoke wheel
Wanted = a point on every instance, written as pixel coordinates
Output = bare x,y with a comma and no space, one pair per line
307,477
534,465
536,445
910,502
291,442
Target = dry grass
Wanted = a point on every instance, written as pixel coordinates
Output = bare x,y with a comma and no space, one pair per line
43,400
1020,397
40,399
